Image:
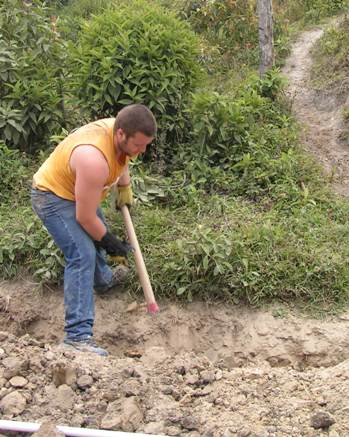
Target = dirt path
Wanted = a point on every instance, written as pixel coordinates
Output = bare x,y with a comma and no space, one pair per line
322,115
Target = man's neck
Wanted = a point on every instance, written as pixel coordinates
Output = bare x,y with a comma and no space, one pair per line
120,155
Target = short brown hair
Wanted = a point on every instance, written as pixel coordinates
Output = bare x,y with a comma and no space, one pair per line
136,118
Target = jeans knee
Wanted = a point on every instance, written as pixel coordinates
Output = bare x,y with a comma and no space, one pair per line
83,255
89,254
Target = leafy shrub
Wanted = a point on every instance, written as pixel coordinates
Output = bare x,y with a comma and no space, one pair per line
26,245
30,75
224,126
308,10
232,27
15,174
137,53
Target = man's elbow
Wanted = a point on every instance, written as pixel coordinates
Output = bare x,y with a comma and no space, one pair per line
83,220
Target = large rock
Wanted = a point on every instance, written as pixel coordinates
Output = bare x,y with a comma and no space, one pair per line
321,420
48,429
14,366
62,397
18,382
13,404
125,416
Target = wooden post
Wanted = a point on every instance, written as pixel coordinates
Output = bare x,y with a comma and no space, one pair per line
266,43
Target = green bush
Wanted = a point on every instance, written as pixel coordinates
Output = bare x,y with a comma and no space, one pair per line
308,10
15,175
232,27
137,53
31,75
26,245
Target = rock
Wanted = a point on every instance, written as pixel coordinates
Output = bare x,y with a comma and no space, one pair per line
123,415
63,398
13,404
63,375
131,388
244,432
49,355
3,336
192,379
173,431
189,423
90,422
208,433
2,353
219,375
256,373
132,307
14,366
18,382
84,382
48,429
321,420
207,376
154,428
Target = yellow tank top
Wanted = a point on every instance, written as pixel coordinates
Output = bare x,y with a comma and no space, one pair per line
55,174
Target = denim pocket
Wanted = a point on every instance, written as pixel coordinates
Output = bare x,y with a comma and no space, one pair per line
39,200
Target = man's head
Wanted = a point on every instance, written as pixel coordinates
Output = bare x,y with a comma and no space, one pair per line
134,128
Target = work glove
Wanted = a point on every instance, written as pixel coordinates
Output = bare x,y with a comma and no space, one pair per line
124,196
114,247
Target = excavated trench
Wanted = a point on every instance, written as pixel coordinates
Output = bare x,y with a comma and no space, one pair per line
197,370
229,336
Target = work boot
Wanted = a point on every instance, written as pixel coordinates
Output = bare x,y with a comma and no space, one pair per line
119,275
87,345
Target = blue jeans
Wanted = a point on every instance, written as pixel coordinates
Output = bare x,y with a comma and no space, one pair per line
85,266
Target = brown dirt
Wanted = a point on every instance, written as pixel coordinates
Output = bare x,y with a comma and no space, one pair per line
208,370
193,370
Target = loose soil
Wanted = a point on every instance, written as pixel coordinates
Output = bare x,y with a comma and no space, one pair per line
201,369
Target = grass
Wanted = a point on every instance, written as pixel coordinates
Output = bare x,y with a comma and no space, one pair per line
331,68
252,220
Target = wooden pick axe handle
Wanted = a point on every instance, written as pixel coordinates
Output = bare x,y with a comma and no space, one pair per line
152,306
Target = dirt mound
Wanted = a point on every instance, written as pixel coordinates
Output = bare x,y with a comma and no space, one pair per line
195,370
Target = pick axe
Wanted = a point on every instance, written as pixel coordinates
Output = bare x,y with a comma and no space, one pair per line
152,306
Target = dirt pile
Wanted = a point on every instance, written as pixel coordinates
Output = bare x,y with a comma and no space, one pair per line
192,371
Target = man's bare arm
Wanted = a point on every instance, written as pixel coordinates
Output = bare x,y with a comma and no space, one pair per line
125,178
91,173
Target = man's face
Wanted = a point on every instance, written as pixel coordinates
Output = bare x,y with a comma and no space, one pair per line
133,145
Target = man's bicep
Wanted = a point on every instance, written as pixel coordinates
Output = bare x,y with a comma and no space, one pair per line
89,184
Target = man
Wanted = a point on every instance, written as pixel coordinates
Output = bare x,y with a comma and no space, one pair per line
67,191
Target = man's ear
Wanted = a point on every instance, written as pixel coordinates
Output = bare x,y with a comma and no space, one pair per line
119,135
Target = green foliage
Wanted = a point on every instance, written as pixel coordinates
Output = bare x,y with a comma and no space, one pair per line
240,252
26,245
308,10
229,26
137,53
32,61
15,171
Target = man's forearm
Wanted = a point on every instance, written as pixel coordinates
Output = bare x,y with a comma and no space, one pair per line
94,227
